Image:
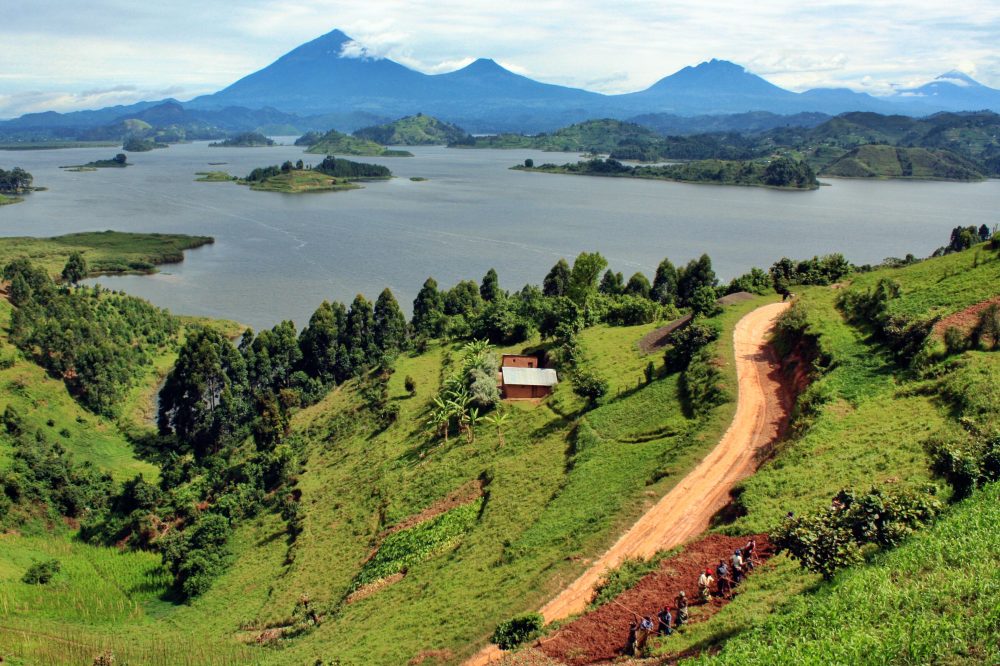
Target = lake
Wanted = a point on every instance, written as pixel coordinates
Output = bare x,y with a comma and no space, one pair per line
277,256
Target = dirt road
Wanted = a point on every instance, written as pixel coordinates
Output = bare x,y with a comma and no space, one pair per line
762,410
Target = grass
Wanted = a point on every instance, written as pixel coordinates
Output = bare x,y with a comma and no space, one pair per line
105,251
868,426
7,200
295,182
42,400
933,600
214,177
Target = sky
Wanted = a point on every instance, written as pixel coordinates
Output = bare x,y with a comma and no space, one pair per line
66,55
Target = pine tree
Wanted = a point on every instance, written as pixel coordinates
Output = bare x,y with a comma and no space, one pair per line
320,341
428,310
612,284
390,324
665,283
557,281
359,336
638,285
490,288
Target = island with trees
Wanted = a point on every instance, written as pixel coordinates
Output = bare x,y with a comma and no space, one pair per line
779,173
417,130
119,161
332,174
338,143
136,144
13,184
244,140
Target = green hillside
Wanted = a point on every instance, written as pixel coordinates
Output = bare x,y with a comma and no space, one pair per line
418,130
592,136
386,538
881,161
337,143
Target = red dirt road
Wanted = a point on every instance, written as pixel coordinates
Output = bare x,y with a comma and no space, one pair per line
762,410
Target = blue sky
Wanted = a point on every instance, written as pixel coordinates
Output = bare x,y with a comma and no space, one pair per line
72,54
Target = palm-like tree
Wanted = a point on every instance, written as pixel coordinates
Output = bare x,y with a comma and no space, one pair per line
498,419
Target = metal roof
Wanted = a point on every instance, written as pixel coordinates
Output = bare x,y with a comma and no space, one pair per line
529,376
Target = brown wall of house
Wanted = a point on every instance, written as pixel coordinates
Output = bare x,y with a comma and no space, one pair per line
521,392
519,361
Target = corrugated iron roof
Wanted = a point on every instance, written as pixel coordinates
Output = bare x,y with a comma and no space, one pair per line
529,376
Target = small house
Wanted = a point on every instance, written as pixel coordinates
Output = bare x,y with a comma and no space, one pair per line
523,378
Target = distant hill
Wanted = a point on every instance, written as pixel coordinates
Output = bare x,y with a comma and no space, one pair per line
670,124
338,143
880,161
418,130
591,136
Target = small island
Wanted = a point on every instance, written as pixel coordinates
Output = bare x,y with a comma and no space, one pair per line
334,142
135,144
119,161
244,140
14,183
418,130
332,174
780,173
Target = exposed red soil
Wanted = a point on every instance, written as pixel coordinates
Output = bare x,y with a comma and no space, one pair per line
600,635
964,320
434,656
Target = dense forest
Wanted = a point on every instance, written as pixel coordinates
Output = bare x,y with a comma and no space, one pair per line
244,140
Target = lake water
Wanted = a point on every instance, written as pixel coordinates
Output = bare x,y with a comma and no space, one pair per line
277,256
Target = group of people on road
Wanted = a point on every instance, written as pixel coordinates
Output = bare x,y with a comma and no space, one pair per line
727,576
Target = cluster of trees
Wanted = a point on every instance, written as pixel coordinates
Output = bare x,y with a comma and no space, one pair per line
244,140
15,181
98,343
779,172
341,168
43,481
824,270
836,537
962,238
260,174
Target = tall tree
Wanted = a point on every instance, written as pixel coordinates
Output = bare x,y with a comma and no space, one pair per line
390,324
75,268
463,299
359,336
612,284
203,400
490,288
557,281
320,341
665,283
583,277
428,310
638,285
698,273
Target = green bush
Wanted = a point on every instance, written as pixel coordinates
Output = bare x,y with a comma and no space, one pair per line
40,573
833,538
517,630
589,385
701,383
683,343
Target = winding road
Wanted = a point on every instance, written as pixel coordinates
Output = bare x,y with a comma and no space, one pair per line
762,409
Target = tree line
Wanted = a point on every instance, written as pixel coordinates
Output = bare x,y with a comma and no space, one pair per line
15,181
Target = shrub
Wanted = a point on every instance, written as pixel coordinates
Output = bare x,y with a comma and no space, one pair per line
833,538
410,384
955,341
589,385
703,302
517,630
40,573
685,342
630,311
701,383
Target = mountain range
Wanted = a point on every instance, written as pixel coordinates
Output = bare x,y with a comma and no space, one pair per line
325,81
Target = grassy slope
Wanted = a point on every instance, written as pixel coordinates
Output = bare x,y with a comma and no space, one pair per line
871,431
337,143
302,181
105,251
880,161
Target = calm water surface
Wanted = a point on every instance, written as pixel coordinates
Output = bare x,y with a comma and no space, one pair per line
278,256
